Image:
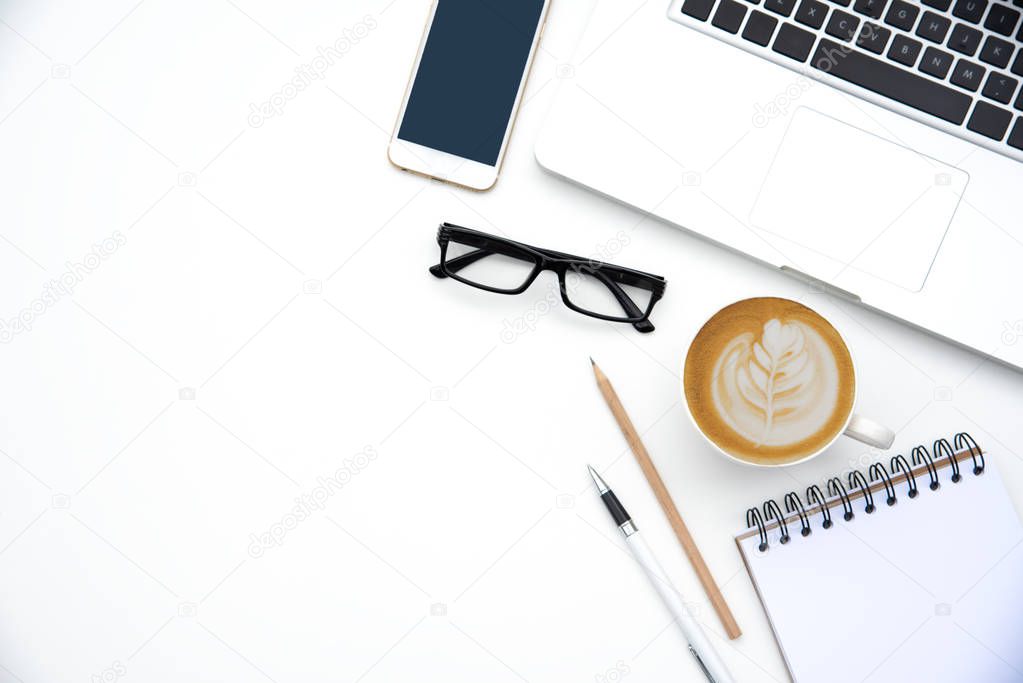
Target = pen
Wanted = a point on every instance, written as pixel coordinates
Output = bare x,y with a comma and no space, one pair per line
699,645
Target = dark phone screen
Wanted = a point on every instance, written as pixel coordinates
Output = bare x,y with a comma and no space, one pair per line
469,75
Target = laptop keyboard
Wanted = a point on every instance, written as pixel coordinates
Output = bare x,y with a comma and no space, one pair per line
957,64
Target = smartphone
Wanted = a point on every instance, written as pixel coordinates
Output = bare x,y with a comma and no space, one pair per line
466,85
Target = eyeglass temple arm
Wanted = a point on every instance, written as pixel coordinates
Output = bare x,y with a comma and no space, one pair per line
456,264
624,300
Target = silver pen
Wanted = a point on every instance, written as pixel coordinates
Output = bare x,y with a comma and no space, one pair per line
699,645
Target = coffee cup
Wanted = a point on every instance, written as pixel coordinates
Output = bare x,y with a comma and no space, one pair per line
770,382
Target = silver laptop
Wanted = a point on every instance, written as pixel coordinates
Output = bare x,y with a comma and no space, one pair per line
872,147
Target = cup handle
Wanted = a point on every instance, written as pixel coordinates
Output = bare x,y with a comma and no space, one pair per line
870,432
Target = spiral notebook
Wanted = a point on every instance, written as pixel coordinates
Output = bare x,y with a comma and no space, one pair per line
910,572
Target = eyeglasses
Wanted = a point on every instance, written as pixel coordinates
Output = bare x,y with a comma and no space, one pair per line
593,288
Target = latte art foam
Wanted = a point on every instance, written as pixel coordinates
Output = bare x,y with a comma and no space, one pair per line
777,389
769,381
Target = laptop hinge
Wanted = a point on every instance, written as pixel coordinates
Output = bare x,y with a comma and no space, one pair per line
820,285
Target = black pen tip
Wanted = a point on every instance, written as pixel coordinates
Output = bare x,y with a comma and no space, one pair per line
602,487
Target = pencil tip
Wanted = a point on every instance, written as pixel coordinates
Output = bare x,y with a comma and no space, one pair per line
593,362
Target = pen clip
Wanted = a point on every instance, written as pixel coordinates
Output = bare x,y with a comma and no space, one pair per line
706,671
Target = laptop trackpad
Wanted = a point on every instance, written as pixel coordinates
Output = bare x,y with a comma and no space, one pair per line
843,199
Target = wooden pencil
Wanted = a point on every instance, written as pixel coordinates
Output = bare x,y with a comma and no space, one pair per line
710,586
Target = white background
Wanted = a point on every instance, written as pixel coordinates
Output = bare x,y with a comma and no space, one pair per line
269,316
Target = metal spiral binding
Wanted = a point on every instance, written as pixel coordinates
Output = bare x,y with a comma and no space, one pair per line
753,517
856,478
772,511
835,488
793,504
943,448
814,494
961,439
919,455
877,471
899,463
899,468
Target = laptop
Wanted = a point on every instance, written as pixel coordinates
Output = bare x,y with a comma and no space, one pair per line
873,148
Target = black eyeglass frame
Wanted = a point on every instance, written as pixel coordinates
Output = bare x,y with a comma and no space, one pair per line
610,275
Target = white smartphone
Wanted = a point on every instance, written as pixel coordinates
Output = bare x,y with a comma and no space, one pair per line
466,85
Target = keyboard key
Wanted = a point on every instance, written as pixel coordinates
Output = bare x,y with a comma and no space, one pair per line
996,52
965,39
905,50
811,13
968,75
969,10
872,8
999,87
873,37
936,62
729,16
759,28
942,5
902,15
1018,104
842,25
989,120
1001,19
892,81
794,42
932,26
782,7
1017,66
1016,136
846,3
697,9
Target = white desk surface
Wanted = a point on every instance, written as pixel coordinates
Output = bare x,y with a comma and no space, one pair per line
267,316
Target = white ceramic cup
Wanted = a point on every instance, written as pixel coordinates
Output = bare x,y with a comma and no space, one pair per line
856,426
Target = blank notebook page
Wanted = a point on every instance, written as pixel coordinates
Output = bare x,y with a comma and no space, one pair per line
930,589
